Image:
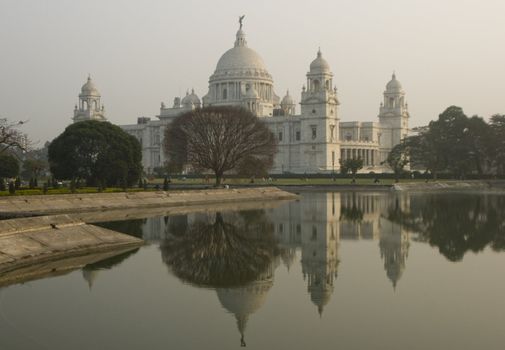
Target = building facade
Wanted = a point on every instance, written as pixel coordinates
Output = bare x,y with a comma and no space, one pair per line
313,141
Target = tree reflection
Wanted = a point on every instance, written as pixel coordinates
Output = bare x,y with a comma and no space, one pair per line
455,223
231,250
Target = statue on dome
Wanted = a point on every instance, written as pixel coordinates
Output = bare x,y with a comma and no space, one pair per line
240,20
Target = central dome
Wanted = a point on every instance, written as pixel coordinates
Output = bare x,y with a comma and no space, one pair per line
240,58
241,62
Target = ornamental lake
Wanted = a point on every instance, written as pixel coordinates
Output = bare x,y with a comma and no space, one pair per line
350,270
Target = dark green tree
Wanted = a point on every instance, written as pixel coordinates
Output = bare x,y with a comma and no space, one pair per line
17,183
33,168
397,159
12,187
9,166
98,152
352,165
497,142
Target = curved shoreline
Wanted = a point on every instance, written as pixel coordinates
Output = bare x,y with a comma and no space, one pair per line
74,203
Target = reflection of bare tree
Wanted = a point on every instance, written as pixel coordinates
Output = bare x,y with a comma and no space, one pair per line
233,253
221,253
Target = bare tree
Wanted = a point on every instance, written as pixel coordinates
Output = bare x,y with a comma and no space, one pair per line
218,139
11,137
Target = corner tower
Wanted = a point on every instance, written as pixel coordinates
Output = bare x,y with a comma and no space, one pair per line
90,107
320,122
393,117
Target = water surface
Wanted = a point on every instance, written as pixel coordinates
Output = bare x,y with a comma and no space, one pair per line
353,270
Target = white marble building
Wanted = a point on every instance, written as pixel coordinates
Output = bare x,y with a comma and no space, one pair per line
310,142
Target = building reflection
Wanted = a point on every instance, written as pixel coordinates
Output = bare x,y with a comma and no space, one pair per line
237,253
317,224
90,272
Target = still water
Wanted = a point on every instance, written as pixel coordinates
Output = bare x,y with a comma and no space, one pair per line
353,270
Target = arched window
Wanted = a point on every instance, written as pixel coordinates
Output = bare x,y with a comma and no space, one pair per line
316,85
391,102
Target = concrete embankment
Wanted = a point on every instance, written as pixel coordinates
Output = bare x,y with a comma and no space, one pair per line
43,240
68,203
454,185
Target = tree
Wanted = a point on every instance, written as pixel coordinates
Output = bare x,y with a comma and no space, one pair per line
497,142
423,152
218,139
11,137
253,166
351,164
453,143
33,168
9,166
397,159
98,152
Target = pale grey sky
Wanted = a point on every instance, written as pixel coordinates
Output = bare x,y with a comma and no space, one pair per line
139,53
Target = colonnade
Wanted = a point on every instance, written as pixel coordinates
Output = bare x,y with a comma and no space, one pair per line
370,156
234,90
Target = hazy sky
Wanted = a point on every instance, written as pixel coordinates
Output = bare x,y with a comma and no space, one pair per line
139,53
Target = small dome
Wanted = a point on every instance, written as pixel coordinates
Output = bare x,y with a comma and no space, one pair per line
394,85
319,64
287,100
89,89
191,99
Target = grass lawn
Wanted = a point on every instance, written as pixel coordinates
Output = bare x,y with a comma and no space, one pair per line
210,182
282,181
38,191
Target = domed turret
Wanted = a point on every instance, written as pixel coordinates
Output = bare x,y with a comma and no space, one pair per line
319,65
287,100
394,85
90,107
191,100
89,89
288,104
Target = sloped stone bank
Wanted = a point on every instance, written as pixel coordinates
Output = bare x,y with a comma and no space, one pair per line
68,203
455,185
28,241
